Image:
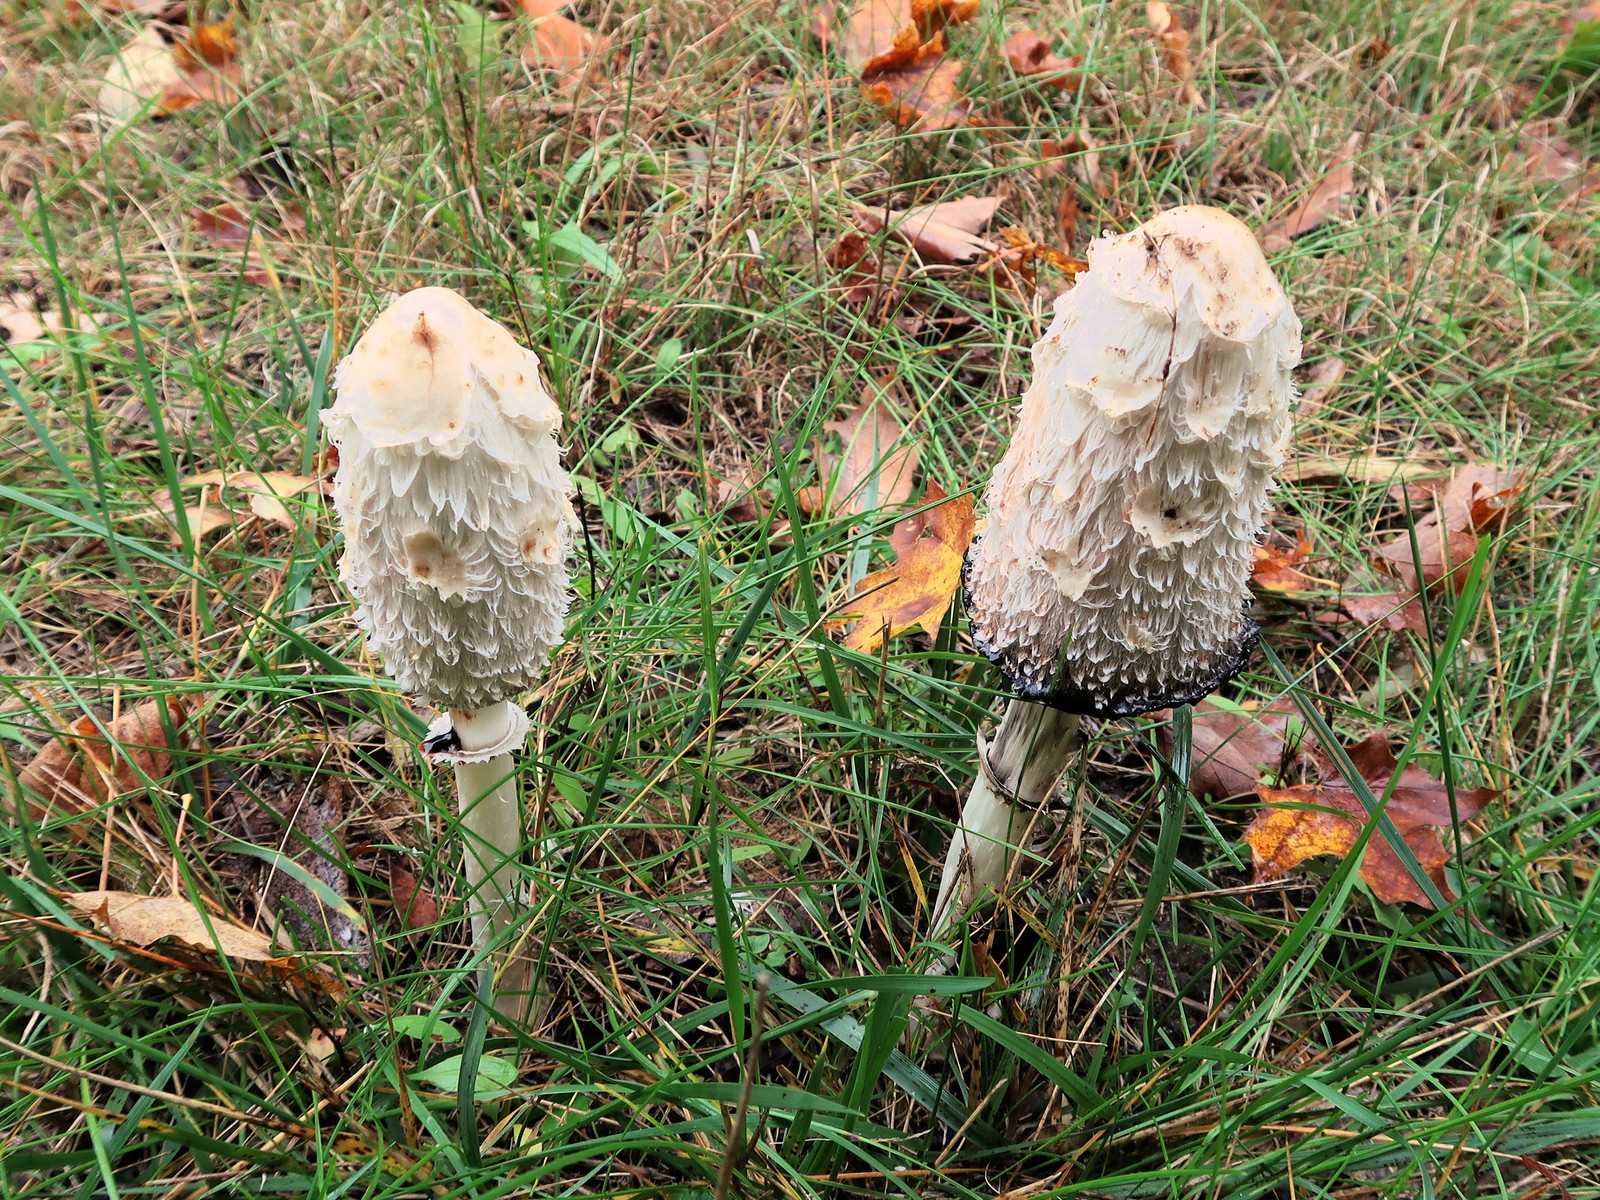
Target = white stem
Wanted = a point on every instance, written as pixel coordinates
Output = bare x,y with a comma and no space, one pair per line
491,825
1031,749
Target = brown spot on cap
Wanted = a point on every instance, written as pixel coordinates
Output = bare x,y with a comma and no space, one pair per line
423,334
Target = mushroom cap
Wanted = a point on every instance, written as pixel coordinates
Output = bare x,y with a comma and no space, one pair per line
455,507
1113,576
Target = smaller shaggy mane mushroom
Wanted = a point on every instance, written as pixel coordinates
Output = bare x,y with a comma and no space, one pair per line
457,521
454,501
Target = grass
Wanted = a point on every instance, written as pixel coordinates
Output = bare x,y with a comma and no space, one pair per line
741,815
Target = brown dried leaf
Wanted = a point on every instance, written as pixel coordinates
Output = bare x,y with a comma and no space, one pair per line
1030,54
1479,498
207,67
924,94
944,233
1281,838
1323,203
228,226
301,823
1235,746
1441,557
1067,214
852,257
889,35
206,516
415,904
877,466
929,548
145,920
1547,157
80,769
1175,50
1400,613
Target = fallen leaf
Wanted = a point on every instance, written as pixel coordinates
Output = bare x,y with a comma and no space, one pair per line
1084,153
1358,468
923,95
81,769
1030,54
884,36
205,516
1547,157
415,904
266,491
1277,560
1175,50
1067,214
212,47
19,322
1019,252
321,1045
142,71
852,257
298,823
1400,613
1479,498
1441,557
1235,745
200,68
813,501
944,233
559,44
1287,833
145,920
877,466
1322,381
228,226
562,45
929,549
1321,205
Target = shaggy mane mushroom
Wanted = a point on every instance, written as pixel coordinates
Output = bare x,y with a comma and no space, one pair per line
457,520
1112,578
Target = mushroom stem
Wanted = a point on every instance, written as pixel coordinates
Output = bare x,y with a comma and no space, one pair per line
1017,772
491,826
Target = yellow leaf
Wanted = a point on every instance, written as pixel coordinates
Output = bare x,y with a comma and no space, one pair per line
916,591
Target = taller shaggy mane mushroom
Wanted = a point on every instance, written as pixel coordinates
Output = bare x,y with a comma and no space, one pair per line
1113,576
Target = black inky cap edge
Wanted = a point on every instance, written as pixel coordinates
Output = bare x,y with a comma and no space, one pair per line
1069,698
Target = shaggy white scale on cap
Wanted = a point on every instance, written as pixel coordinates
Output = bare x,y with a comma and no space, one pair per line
453,499
1112,578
